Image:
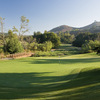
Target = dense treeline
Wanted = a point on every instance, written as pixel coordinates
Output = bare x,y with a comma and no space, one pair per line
66,37
88,41
15,41
82,37
39,41
47,36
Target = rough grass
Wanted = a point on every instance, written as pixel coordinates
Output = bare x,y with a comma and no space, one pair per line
63,50
75,77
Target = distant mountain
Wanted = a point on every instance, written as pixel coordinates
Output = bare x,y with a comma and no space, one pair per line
62,28
94,27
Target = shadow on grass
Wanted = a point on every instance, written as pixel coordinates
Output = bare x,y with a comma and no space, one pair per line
31,85
62,61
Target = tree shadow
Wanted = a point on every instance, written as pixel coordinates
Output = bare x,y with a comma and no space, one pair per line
86,86
31,85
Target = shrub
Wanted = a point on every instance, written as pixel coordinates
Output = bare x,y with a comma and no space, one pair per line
81,38
90,46
41,47
32,46
45,46
14,46
24,45
48,45
49,53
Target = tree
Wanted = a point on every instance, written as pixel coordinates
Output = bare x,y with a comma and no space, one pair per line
48,45
66,37
81,38
29,39
23,27
90,46
50,36
11,35
97,49
32,46
39,37
2,36
47,36
13,45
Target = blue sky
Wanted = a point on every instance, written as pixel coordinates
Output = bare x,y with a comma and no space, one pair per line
47,14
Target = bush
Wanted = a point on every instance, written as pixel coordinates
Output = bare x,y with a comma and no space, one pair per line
32,46
24,45
45,46
14,46
81,38
48,45
49,53
41,47
89,47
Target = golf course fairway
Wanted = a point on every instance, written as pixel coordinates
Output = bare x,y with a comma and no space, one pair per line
75,77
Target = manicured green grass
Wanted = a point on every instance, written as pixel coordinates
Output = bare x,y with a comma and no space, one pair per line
75,77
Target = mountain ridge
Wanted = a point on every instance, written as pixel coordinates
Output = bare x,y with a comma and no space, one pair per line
95,26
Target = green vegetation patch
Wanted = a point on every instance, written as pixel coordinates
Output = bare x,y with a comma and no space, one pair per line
63,50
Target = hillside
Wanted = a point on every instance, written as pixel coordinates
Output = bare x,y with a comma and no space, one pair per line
94,27
62,28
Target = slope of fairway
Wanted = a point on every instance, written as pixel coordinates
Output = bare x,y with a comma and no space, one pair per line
75,77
